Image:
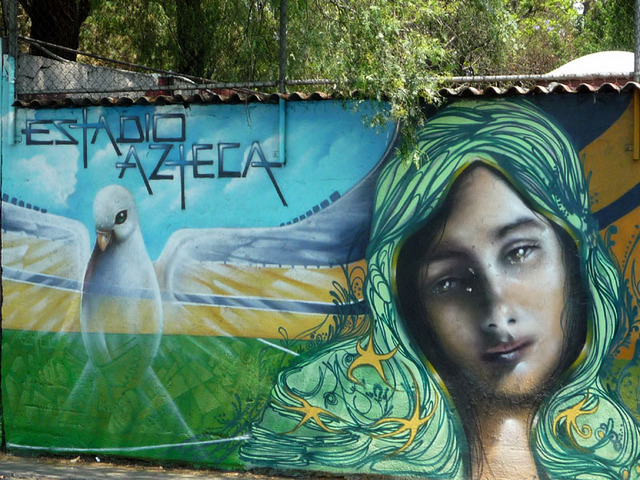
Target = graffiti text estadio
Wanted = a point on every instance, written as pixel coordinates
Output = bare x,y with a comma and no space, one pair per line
165,136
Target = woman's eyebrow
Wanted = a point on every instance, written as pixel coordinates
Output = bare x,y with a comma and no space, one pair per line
522,222
444,255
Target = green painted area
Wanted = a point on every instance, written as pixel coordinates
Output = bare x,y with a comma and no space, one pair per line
623,377
199,393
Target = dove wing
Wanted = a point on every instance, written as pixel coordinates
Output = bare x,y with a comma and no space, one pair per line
43,259
267,282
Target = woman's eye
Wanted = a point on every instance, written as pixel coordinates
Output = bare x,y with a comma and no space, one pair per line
520,254
121,217
445,286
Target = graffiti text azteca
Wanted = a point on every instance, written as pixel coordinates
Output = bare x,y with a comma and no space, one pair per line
164,134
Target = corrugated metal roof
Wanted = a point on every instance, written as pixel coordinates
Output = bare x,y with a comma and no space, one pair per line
236,97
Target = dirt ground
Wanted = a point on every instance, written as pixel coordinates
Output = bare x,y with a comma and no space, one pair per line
91,467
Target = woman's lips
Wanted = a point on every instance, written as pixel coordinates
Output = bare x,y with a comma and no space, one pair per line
506,352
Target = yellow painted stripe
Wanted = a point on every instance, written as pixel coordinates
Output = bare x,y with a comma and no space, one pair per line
238,322
39,308
625,236
609,160
42,308
291,283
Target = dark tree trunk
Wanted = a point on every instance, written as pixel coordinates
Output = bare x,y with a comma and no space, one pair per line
191,28
57,22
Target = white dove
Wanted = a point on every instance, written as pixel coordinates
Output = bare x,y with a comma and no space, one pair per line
121,317
122,309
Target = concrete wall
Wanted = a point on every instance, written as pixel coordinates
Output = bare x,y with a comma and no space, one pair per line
178,287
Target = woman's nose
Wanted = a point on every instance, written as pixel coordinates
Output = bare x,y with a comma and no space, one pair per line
499,313
496,323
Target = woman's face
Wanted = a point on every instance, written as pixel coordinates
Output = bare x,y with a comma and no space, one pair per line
493,286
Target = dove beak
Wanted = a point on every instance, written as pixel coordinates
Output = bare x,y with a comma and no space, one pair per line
103,239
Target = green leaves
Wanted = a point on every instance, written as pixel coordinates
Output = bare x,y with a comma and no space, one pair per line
608,25
388,50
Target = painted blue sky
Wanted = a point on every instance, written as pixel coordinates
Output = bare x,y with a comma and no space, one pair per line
328,149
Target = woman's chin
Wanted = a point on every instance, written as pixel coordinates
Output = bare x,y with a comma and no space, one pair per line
508,385
515,389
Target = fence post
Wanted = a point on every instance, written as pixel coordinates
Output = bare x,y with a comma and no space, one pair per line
12,26
282,82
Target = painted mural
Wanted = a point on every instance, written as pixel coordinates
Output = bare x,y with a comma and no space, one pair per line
214,285
161,265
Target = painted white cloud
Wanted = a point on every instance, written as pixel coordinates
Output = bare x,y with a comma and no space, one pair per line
51,179
106,157
251,182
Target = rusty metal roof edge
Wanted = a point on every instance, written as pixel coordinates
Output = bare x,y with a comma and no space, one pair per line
546,77
235,97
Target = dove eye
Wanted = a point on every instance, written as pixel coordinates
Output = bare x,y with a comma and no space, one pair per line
121,217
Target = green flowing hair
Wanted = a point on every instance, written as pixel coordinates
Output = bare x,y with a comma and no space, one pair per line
375,404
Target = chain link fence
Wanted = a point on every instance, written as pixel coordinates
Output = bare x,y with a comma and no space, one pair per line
45,36
131,48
